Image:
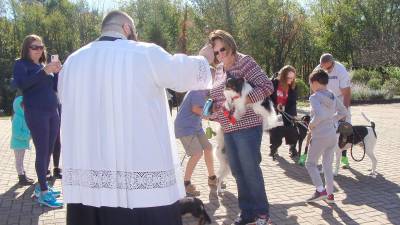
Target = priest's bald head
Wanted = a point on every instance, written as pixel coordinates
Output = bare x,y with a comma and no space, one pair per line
118,21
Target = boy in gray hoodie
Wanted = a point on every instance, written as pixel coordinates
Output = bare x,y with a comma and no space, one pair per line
326,110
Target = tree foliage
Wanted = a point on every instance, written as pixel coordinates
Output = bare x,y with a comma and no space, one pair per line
360,33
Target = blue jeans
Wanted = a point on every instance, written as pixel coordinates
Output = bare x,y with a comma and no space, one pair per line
243,151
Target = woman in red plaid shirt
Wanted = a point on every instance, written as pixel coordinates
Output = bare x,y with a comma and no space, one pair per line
242,139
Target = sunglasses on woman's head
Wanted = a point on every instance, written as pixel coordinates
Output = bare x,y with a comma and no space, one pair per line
36,47
220,50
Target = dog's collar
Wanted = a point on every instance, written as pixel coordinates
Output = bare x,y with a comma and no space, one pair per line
235,97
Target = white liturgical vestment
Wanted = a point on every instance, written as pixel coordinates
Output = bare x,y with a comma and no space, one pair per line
117,143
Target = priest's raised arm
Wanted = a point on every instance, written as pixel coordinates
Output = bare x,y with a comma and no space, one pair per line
179,72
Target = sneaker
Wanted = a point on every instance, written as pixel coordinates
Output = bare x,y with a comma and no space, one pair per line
49,200
240,221
330,199
302,160
345,162
57,173
23,180
50,189
212,182
262,221
317,196
191,191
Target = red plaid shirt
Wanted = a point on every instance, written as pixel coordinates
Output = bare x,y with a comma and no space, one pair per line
245,66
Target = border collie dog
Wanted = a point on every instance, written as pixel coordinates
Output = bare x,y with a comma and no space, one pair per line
366,137
195,207
224,169
236,90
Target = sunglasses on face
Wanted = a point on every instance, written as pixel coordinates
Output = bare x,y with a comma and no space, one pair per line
220,51
36,47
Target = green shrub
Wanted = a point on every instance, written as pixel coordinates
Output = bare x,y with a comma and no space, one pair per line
359,76
362,76
303,91
393,72
392,86
374,83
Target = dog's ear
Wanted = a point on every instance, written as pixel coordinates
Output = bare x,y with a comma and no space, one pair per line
240,80
230,83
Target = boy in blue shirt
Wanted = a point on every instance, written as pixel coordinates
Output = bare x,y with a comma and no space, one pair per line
189,130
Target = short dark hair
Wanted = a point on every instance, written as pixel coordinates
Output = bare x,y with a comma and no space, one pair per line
319,76
326,57
26,44
111,16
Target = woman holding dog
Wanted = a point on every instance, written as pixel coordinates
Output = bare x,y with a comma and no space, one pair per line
36,80
285,102
243,138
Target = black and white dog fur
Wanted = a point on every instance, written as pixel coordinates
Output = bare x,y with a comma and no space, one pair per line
236,91
224,169
195,207
302,128
363,135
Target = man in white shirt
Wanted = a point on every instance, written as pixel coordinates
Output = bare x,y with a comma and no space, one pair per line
340,84
119,155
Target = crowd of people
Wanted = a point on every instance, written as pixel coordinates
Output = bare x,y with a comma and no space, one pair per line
119,152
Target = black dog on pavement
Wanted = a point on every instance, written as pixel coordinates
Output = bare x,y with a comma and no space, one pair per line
302,128
195,207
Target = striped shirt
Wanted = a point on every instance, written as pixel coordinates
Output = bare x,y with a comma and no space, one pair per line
246,67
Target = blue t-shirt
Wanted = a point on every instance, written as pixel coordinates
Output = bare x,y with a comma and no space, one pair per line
186,122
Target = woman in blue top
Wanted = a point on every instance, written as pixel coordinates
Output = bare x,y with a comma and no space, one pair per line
20,138
35,79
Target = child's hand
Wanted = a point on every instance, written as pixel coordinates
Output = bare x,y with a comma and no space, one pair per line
311,126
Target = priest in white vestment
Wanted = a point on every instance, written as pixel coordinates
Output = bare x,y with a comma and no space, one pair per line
119,156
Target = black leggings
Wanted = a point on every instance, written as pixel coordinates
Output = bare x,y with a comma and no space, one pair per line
57,151
78,214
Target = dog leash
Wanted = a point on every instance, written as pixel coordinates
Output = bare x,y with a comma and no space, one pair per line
289,117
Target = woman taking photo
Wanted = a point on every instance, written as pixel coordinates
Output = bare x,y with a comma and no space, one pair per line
35,79
285,102
242,139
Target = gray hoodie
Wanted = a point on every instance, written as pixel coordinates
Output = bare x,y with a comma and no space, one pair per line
326,110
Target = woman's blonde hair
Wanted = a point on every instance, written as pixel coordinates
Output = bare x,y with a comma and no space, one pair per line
283,77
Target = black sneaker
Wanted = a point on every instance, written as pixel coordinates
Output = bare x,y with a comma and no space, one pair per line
318,196
23,180
57,173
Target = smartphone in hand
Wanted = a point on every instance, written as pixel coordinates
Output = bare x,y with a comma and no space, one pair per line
54,58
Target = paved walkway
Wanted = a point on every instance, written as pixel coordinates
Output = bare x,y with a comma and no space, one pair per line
361,199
